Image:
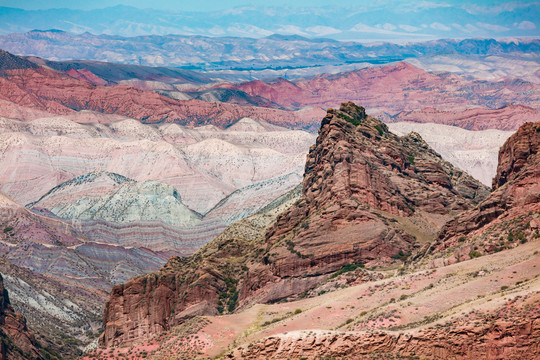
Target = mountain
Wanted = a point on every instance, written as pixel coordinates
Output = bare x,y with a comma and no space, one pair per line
112,197
388,90
368,197
508,117
399,88
243,51
60,93
485,307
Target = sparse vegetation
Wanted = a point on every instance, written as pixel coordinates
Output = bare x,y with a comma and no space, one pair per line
349,119
346,268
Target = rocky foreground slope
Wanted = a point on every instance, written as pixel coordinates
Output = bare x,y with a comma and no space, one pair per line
369,197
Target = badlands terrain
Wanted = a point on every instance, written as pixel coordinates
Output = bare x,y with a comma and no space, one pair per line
244,213
404,285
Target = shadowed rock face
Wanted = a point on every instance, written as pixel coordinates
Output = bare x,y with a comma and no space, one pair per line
512,211
16,341
361,185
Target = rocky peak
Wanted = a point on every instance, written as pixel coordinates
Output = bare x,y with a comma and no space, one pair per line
363,187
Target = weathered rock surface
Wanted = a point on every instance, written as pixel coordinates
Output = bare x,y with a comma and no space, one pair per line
511,214
16,341
361,185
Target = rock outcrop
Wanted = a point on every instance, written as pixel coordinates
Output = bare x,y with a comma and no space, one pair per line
368,197
500,339
16,341
511,214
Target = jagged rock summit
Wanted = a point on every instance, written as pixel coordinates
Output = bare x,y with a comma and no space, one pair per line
368,197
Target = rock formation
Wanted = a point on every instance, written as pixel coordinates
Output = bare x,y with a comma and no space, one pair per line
368,197
511,214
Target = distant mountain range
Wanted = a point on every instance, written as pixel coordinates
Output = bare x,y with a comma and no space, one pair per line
368,21
275,52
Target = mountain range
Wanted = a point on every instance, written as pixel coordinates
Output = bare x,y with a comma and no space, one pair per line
246,211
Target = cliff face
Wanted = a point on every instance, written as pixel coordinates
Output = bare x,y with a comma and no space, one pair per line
16,341
511,214
519,151
368,197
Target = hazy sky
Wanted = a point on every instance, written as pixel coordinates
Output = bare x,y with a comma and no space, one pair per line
212,5
393,20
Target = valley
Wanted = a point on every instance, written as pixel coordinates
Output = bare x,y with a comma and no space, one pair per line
174,192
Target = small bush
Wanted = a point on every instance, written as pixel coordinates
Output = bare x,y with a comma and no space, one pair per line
410,158
462,239
504,288
7,229
474,254
297,311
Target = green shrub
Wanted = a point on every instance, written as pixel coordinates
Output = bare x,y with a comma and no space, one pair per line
474,254
7,229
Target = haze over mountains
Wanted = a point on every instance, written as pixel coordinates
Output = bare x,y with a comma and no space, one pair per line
394,20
